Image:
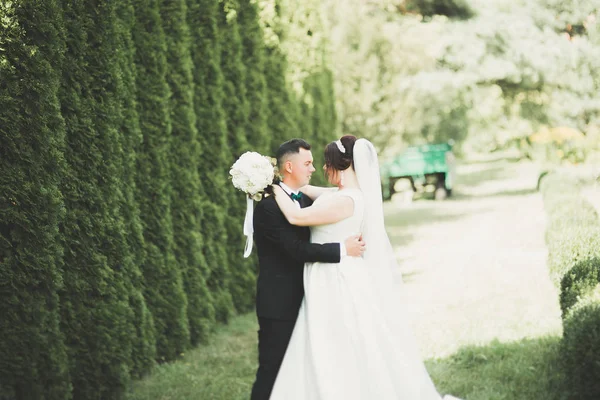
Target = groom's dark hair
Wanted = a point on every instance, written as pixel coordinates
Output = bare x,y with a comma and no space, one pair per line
290,147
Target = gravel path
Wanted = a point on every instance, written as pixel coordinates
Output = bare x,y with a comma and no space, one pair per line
474,265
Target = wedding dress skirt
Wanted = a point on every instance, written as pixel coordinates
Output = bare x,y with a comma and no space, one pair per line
349,342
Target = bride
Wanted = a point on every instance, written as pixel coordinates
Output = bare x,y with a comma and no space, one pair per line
351,339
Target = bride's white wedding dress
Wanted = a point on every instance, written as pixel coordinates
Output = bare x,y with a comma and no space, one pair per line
351,340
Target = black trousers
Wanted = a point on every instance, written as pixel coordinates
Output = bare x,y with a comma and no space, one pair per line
273,338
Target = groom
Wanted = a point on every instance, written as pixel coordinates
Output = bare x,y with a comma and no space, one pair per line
282,251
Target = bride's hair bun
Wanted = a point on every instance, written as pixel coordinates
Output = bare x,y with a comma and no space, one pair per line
335,158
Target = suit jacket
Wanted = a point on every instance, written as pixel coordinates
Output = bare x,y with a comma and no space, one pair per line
282,251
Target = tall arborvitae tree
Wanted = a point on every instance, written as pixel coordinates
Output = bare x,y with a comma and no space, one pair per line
305,45
144,345
320,108
235,104
253,57
164,292
188,194
33,359
96,314
234,100
282,117
214,164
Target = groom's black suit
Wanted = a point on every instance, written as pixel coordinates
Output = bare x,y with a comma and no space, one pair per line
282,251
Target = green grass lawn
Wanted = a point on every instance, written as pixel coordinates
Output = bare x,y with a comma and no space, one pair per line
224,370
525,370
221,370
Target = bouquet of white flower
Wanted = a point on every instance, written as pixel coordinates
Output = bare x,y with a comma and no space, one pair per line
252,173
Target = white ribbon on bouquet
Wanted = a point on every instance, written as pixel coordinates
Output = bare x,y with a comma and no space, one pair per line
249,227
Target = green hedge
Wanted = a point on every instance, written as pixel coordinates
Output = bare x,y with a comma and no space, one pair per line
580,280
102,315
120,234
581,347
144,344
237,109
573,226
573,239
33,356
213,165
161,269
187,196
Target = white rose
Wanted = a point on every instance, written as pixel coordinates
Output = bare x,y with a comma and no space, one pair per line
252,173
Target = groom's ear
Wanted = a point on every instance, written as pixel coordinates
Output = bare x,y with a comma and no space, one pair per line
287,166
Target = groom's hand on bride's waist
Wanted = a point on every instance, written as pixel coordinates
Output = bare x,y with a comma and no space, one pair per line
355,246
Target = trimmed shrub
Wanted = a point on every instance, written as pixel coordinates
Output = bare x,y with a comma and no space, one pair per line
580,280
573,228
573,239
569,245
581,347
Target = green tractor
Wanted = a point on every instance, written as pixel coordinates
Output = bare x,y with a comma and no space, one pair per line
419,169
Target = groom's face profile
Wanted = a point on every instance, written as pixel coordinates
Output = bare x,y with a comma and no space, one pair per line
299,167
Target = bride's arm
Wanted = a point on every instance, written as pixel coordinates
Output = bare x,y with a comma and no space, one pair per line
315,191
327,211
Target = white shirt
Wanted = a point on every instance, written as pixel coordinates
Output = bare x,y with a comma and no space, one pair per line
289,191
